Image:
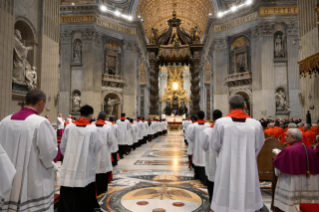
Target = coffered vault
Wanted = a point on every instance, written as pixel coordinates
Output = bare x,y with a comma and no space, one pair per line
156,13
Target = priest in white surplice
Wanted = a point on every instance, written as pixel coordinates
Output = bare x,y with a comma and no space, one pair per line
198,153
115,146
124,127
7,171
80,143
238,139
210,154
103,157
31,144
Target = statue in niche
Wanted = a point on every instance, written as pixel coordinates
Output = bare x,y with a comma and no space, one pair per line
153,36
281,103
78,51
31,77
241,59
175,102
20,58
76,102
110,104
279,47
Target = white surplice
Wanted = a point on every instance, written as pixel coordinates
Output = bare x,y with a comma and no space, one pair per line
7,171
115,134
190,144
210,154
124,127
193,135
79,145
236,181
60,123
31,145
291,190
103,158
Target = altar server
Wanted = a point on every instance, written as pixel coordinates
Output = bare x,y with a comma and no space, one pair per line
238,139
60,125
103,157
210,154
31,144
198,153
124,127
115,146
140,134
80,144
297,168
135,131
185,124
7,171
190,144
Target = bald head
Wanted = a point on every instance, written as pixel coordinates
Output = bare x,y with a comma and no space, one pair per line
236,102
292,125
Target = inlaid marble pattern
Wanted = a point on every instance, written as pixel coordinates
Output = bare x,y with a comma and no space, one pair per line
165,153
161,162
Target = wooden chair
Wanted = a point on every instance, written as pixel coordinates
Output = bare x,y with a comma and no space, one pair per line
264,159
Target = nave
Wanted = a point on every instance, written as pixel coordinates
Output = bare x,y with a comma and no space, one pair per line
157,176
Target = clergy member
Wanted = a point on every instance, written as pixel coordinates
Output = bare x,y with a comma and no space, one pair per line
190,144
298,169
80,144
7,171
210,154
31,144
238,139
115,146
198,153
103,157
271,131
311,136
124,128
60,125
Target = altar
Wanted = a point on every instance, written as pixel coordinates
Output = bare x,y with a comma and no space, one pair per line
174,122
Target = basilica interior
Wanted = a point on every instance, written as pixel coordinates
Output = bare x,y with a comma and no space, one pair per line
161,59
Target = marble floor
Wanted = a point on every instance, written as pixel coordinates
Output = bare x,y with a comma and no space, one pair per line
156,176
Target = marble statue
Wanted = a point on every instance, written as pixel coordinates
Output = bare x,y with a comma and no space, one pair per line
281,103
278,46
111,103
183,109
153,36
31,77
78,51
20,58
76,102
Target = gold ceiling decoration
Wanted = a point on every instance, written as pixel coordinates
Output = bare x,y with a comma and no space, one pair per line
156,13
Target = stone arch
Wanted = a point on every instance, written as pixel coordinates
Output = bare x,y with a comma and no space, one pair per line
118,107
248,99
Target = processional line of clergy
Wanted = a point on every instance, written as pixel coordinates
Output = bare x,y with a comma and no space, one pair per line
90,150
227,155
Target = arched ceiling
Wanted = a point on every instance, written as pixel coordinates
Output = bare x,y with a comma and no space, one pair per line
156,13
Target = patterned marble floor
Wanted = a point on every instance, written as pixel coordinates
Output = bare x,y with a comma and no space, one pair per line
156,176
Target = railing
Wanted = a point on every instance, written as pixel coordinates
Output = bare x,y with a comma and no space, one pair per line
238,79
113,80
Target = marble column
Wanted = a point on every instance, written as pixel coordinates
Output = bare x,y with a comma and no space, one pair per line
6,55
163,76
220,68
65,72
98,103
130,73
